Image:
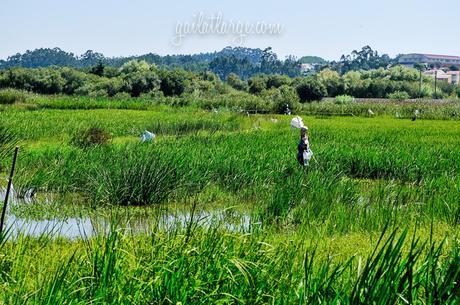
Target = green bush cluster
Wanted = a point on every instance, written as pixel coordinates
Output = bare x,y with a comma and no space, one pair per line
399,82
262,92
344,99
310,90
399,96
456,92
133,78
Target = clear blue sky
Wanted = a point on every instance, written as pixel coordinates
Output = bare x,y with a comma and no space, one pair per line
323,28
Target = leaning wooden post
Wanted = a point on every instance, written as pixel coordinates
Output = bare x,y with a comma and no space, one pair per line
10,183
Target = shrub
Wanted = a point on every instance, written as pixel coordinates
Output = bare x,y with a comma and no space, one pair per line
92,136
277,80
439,95
122,96
332,81
427,91
285,97
101,87
154,94
10,96
457,91
139,77
311,90
235,82
344,99
378,88
399,96
446,88
401,73
355,85
174,82
73,79
98,93
47,81
257,84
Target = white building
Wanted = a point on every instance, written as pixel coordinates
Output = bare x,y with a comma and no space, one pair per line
429,60
305,68
455,77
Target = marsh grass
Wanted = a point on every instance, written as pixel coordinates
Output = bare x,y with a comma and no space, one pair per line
60,125
10,96
134,177
366,172
370,175
430,110
212,266
342,105
8,140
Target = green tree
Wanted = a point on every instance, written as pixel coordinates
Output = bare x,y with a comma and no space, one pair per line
74,79
235,82
174,82
286,98
312,60
257,84
311,89
226,65
277,80
364,59
98,69
332,81
139,77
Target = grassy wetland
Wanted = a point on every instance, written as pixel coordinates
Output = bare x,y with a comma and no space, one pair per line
373,220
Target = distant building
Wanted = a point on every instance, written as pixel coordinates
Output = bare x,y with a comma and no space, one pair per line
440,75
455,77
309,69
429,60
305,68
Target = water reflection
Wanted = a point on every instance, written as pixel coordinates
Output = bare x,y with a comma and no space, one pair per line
88,226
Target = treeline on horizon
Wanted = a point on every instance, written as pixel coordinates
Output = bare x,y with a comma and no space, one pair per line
245,62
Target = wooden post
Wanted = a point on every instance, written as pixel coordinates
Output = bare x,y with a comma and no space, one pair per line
420,86
436,84
8,189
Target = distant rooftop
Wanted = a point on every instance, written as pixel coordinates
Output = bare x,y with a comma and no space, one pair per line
435,56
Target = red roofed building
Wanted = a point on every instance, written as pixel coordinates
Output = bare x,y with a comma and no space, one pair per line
429,60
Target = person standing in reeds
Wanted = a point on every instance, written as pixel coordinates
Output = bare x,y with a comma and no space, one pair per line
304,152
